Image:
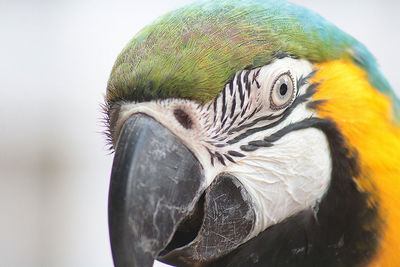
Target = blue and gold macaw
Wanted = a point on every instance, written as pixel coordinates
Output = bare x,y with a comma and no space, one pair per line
252,133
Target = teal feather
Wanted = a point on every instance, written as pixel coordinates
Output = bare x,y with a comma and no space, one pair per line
192,52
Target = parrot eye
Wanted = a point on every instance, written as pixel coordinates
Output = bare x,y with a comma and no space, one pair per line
282,92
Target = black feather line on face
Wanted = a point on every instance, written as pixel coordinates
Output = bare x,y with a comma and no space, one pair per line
211,156
231,85
220,158
219,145
233,106
244,109
247,83
240,88
255,76
254,122
260,143
215,109
268,141
229,158
246,119
235,153
300,99
209,106
223,123
284,115
341,230
230,125
224,105
316,104
248,148
304,80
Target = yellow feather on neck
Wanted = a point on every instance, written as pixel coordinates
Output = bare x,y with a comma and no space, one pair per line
364,116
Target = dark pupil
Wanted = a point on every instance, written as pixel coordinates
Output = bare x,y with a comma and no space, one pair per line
283,89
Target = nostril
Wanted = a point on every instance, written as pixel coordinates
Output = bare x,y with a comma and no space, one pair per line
183,118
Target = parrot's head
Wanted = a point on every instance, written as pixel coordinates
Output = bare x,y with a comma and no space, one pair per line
239,130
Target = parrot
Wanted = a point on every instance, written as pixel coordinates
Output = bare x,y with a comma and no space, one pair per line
251,133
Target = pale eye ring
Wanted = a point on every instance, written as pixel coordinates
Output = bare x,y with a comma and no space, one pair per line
282,91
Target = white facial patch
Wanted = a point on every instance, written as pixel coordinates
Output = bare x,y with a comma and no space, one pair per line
287,176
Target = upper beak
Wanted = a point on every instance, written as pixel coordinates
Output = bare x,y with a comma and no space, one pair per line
155,183
159,206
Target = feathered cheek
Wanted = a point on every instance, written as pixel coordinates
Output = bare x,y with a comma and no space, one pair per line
291,176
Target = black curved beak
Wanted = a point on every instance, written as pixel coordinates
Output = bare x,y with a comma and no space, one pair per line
160,208
155,184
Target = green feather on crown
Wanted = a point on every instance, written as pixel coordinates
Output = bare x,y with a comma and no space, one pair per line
192,52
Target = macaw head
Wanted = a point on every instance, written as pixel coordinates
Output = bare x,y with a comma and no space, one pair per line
249,133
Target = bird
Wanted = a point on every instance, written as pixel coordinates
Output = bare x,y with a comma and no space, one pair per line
251,133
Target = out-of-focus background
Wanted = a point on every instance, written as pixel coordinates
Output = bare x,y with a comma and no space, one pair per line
55,58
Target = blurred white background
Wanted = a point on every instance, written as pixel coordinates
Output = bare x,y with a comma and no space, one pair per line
55,59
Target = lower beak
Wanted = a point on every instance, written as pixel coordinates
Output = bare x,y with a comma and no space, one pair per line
155,184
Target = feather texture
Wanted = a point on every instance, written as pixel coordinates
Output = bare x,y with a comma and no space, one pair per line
194,51
364,117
